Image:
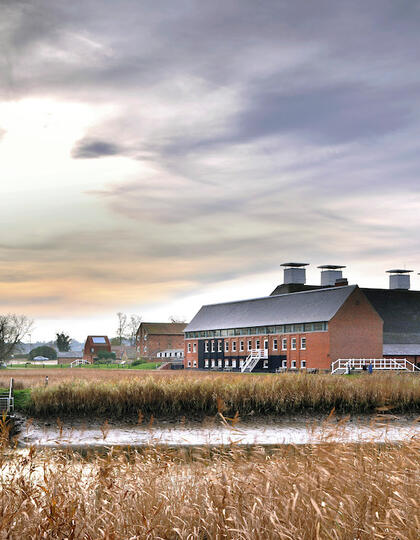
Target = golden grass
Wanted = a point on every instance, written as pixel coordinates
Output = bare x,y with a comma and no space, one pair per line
194,395
330,491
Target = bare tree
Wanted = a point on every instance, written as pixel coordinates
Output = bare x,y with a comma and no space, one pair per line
13,328
122,326
133,326
177,319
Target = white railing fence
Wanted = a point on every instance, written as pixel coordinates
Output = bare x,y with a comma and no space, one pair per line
344,365
79,362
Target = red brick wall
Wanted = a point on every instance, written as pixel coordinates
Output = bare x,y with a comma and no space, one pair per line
159,342
356,330
315,354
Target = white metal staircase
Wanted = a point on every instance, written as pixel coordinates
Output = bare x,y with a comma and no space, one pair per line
344,365
253,358
79,362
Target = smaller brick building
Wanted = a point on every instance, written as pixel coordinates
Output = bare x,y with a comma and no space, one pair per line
154,337
93,345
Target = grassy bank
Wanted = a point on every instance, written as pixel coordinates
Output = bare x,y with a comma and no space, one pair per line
177,395
326,492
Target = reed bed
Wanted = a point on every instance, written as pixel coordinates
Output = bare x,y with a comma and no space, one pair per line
330,491
199,396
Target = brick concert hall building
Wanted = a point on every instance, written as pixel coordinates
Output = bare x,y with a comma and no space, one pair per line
307,326
93,345
152,338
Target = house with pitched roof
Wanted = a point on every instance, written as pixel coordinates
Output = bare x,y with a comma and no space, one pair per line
93,345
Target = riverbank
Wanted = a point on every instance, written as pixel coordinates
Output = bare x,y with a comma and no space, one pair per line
196,397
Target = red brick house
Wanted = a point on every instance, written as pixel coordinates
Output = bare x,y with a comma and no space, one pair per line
308,329
154,337
93,345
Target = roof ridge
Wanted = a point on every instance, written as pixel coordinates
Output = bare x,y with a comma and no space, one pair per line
284,294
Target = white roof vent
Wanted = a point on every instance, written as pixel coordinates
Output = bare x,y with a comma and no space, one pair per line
399,279
294,272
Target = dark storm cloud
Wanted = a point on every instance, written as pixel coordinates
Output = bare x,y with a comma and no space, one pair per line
91,148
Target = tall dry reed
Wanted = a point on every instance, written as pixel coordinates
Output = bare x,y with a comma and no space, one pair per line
205,395
318,492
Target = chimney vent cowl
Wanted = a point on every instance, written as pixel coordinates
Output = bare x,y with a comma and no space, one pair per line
294,273
330,274
399,279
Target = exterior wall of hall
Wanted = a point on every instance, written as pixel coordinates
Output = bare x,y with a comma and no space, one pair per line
356,330
315,354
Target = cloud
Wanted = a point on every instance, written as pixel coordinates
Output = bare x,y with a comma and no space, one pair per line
91,148
255,132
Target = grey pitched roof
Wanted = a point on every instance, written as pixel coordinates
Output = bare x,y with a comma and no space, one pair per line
400,311
411,349
308,306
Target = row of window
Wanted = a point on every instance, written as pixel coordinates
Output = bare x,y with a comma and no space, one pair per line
210,346
279,329
233,364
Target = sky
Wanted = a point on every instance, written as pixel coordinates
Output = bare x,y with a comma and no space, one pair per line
157,156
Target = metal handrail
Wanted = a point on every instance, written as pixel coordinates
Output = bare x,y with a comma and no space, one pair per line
378,364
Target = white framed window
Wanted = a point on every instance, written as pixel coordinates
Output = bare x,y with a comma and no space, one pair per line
257,344
206,346
189,363
195,363
265,364
189,347
234,363
303,364
249,344
303,343
293,364
241,363
274,344
293,344
233,346
266,344
219,346
212,346
206,363
213,362
284,344
219,362
284,364
241,345
226,363
226,346
195,347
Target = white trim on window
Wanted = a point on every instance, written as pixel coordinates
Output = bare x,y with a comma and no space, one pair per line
241,345
195,363
226,363
189,363
303,343
234,363
194,347
226,346
265,364
284,364
212,346
233,346
219,362
189,347
219,346
303,364
293,342
213,362
206,363
206,346
284,344
249,344
293,365
275,344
